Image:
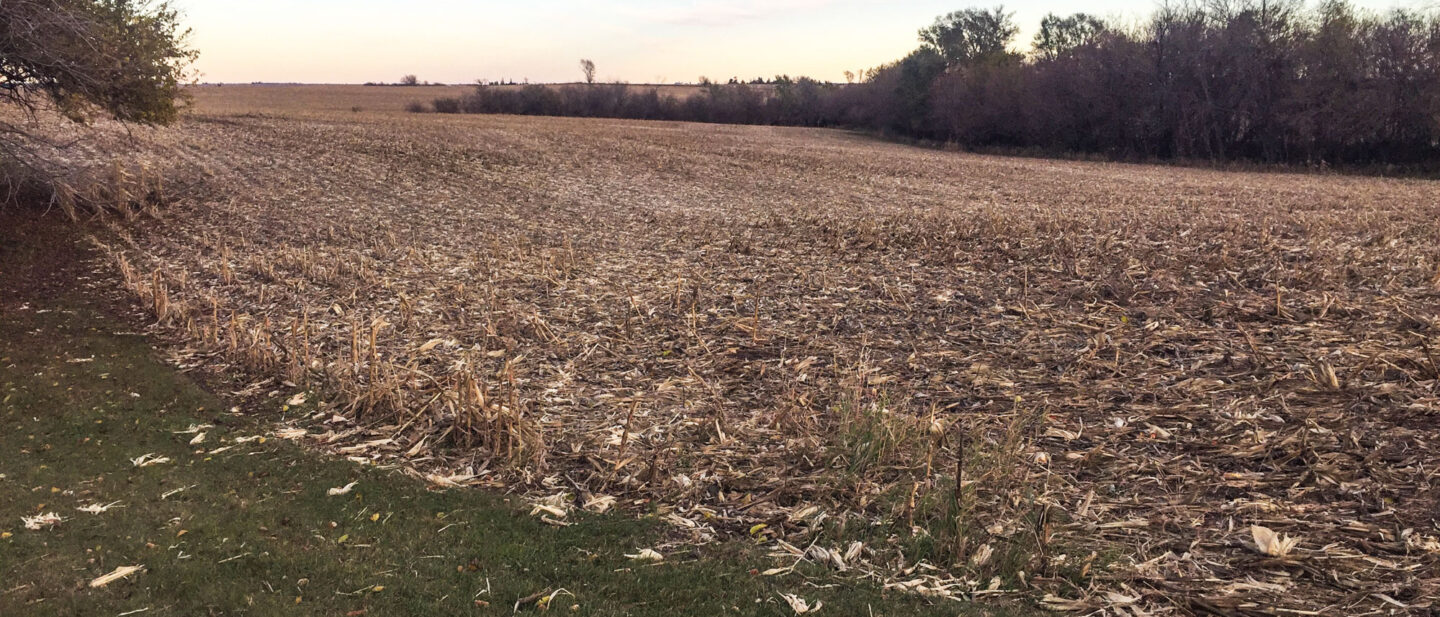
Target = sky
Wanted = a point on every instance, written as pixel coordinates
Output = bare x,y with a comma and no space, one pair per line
636,41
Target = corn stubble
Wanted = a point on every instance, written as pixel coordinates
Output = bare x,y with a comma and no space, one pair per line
1085,383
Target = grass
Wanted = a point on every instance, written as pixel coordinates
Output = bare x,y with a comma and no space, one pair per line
995,527
252,530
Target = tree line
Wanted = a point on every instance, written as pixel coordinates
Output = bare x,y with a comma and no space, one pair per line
1275,81
783,101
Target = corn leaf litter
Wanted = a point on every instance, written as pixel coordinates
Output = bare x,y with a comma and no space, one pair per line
1270,543
146,460
800,605
96,508
647,554
117,574
290,433
48,520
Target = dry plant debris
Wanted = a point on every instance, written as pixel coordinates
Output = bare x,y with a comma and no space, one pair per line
48,520
118,574
146,460
96,508
799,605
647,554
1111,388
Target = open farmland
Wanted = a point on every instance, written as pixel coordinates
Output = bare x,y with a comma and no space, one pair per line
1141,373
232,99
302,99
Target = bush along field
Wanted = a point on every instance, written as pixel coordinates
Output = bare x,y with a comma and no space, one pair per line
129,489
1080,386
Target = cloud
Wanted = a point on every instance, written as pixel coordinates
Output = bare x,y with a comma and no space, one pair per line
729,12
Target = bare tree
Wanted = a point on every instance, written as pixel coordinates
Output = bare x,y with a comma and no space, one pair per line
409,80
588,67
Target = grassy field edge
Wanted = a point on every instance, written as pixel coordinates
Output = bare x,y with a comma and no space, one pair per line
230,520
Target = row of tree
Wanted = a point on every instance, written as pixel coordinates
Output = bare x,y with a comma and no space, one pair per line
1261,80
784,101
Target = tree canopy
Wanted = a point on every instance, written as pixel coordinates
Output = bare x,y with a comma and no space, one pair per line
122,58
971,35
1060,36
78,61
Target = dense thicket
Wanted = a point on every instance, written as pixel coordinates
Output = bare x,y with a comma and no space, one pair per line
1260,80
799,102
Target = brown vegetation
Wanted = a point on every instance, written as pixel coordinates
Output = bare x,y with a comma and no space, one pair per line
1157,386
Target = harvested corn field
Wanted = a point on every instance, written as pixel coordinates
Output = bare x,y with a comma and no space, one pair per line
1162,390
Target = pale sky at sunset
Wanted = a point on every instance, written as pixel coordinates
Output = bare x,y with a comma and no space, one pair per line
458,41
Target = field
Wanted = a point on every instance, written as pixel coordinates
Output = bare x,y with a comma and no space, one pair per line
293,99
302,99
227,519
1159,388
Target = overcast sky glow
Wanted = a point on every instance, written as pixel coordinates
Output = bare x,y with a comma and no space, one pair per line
656,41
